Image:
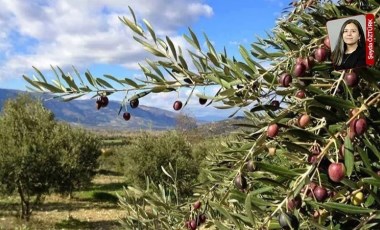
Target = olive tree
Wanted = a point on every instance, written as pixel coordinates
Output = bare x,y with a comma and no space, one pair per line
148,153
310,157
25,154
79,151
39,155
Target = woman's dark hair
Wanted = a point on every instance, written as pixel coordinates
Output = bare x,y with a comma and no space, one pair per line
340,48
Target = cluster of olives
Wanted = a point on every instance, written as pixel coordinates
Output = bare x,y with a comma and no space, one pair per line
199,218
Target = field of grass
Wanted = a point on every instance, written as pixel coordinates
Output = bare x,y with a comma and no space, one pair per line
92,208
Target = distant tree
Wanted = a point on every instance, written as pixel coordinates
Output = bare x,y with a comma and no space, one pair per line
148,153
37,155
78,157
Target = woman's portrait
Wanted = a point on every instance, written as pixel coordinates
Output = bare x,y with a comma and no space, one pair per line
349,51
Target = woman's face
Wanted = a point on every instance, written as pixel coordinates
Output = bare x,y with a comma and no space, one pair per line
351,34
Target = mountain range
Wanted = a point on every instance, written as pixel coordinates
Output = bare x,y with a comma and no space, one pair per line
84,113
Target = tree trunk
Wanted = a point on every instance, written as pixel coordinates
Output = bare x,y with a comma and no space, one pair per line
25,204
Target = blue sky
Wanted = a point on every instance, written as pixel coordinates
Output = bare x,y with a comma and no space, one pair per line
89,35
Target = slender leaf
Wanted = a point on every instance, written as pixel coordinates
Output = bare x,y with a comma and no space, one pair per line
40,74
195,39
335,102
303,135
69,80
248,208
372,181
90,79
113,79
150,29
147,46
155,68
133,26
131,83
183,62
244,53
133,14
277,170
295,147
373,148
167,174
213,59
348,156
139,95
34,84
364,157
72,97
50,87
259,50
346,208
104,83
223,212
154,77
172,48
209,45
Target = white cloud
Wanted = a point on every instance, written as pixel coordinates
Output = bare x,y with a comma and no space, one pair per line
66,32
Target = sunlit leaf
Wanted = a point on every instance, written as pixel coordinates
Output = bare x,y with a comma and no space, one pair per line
172,48
277,170
335,102
113,79
150,29
348,156
346,208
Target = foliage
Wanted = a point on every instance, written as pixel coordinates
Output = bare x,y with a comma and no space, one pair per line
290,158
37,154
26,154
148,153
78,157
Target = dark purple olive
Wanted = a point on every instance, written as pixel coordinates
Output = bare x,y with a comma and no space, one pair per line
177,105
202,101
295,203
240,182
275,105
285,80
134,103
320,54
299,70
288,221
126,116
351,79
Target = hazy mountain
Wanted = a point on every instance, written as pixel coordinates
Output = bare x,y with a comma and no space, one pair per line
84,113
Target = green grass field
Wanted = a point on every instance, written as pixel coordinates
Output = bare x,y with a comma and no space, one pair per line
93,208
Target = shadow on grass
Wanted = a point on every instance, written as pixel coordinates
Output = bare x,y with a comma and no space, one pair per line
110,187
73,223
94,198
8,206
84,205
109,172
100,197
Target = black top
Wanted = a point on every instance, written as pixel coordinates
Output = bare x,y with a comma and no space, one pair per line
353,60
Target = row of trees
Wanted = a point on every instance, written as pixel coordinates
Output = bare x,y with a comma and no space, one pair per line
310,156
39,155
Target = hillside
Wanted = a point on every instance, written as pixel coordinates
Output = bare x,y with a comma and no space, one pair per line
84,113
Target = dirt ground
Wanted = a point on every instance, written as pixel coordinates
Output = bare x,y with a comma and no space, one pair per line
83,211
